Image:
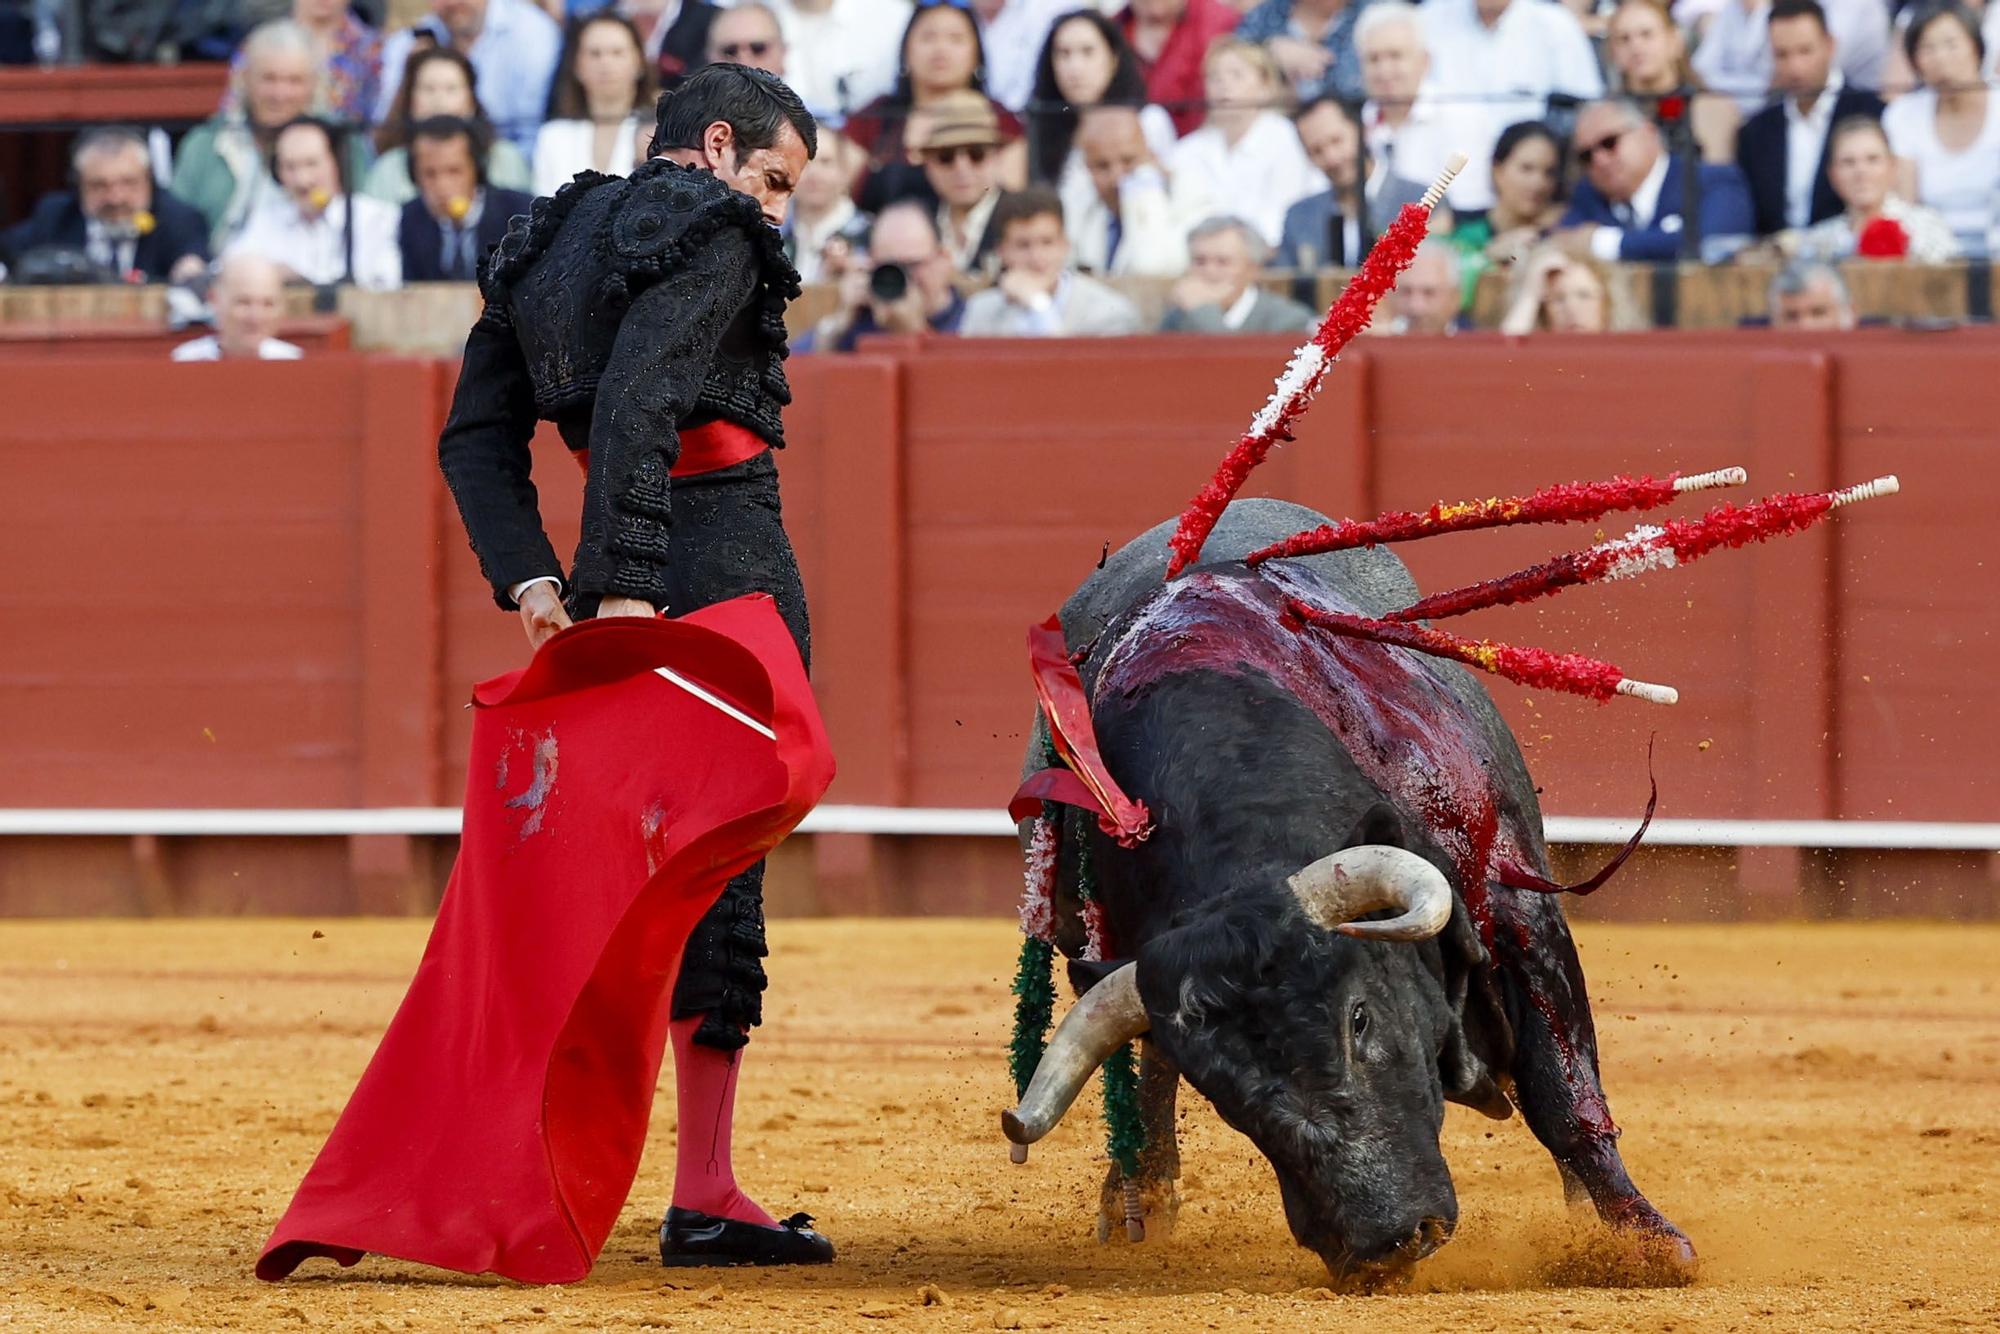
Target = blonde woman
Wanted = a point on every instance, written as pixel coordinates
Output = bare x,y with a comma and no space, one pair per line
1648,53
1245,160
1558,293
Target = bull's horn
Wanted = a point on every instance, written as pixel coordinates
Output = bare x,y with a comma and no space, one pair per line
1104,1018
1335,890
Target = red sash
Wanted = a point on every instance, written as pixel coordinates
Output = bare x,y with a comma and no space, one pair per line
709,448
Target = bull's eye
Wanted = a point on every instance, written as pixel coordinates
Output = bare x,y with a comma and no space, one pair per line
1357,1022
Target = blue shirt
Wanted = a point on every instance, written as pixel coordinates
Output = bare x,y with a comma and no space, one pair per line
515,58
1273,18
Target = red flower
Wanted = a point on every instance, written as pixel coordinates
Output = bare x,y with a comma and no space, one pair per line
1672,108
1884,238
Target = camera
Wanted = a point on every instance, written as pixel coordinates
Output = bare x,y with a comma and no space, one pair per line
888,282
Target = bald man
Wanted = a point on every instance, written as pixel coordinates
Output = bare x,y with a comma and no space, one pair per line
248,298
1129,225
748,34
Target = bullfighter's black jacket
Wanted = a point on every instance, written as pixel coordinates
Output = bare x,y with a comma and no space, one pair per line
623,310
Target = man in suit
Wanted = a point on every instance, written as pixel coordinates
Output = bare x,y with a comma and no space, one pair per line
446,232
1039,295
131,230
1130,226
1220,293
1320,232
1783,148
1631,203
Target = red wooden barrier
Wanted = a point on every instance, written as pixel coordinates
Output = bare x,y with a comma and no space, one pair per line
245,586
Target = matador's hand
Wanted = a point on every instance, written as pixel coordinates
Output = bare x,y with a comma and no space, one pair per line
617,606
542,613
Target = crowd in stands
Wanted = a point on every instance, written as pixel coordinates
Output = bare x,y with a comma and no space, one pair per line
998,167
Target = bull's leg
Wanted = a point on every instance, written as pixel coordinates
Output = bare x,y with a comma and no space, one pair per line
1159,1162
1556,1079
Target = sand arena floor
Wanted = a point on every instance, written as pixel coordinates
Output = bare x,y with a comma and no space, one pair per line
1819,1108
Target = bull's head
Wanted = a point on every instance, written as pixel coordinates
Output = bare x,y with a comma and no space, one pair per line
1313,1042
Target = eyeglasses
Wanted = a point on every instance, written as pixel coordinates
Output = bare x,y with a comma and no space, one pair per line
731,50
1586,152
948,157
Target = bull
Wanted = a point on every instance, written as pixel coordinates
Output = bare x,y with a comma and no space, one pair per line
1313,936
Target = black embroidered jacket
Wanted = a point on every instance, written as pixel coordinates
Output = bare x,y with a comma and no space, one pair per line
622,310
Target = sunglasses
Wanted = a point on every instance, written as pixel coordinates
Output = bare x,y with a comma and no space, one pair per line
948,157
1586,152
731,50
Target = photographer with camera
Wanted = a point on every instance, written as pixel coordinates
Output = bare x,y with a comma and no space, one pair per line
902,284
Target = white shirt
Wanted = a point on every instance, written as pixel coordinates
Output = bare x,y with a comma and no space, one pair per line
209,349
1257,180
316,249
1959,184
1239,309
1013,42
1152,236
962,247
840,61
809,238
1645,203
1536,48
1735,54
563,148
1073,183
1805,140
1419,148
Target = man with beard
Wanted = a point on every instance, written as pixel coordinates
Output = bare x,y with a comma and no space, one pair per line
672,405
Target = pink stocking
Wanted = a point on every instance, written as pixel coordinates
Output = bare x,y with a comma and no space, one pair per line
705,1093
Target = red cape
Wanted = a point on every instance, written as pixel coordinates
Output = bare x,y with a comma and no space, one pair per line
499,1126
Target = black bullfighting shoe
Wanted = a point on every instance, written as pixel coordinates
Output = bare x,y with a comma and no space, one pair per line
689,1237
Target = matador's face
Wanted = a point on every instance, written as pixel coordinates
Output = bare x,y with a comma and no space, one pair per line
767,175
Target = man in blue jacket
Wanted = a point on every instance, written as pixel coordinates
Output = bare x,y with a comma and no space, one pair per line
132,230
1631,204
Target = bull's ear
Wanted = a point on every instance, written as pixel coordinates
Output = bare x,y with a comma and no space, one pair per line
1379,826
1087,973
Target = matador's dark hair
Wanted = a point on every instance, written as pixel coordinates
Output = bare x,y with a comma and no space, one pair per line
754,104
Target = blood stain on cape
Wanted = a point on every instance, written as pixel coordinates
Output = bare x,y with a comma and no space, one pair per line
541,783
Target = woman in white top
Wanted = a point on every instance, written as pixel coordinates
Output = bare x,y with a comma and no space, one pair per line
1947,133
1086,62
437,81
602,87
1862,172
1245,160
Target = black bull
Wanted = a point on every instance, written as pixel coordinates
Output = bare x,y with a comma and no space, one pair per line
1260,752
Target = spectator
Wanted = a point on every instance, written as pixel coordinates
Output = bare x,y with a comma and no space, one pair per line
1527,199
903,285
941,55
1245,160
1426,297
1785,148
305,226
1127,225
1650,58
675,34
1337,227
748,34
348,55
1631,203
1014,33
512,44
1408,129
823,213
602,87
840,55
1810,295
1313,42
248,298
1506,58
130,229
1734,57
1874,221
438,81
1220,293
1947,133
957,140
1557,293
220,167
446,232
1898,77
1085,63
1171,39
1039,295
